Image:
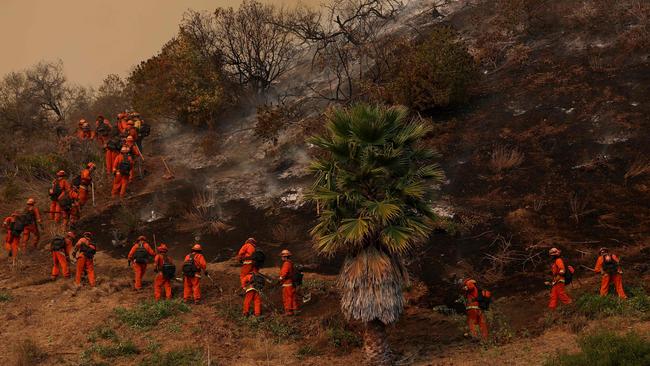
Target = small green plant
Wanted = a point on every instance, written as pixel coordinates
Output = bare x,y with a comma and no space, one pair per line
606,349
118,350
4,296
147,314
307,351
174,328
183,357
102,332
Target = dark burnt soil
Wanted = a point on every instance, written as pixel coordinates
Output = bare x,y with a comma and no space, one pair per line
573,100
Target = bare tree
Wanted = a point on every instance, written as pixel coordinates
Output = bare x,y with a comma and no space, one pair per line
249,41
346,37
17,108
47,85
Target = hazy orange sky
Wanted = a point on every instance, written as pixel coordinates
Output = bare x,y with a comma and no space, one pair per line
92,37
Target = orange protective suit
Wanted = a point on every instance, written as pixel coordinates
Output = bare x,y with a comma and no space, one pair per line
475,316
122,125
32,227
245,256
121,180
191,285
616,278
558,291
289,298
161,282
84,263
6,224
139,268
60,259
55,209
84,188
252,296
104,132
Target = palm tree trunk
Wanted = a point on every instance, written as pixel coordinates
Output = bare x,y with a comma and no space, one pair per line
375,344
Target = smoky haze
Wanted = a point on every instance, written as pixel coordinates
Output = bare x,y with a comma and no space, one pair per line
93,38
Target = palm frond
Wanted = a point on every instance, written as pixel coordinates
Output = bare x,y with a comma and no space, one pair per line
382,211
354,230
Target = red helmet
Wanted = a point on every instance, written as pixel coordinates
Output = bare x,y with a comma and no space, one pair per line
285,253
142,238
197,248
60,173
162,248
91,165
251,241
31,201
554,251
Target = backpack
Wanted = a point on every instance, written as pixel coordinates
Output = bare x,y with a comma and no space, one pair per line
258,258
76,182
144,130
124,167
609,265
88,251
297,276
568,274
258,281
66,204
18,225
168,270
141,256
56,190
189,267
484,299
103,129
114,145
30,218
58,243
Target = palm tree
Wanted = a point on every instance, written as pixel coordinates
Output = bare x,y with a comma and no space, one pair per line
374,185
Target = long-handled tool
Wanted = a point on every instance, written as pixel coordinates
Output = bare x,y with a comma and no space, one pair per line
92,190
588,268
169,174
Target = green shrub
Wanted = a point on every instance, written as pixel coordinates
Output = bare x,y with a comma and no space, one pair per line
4,296
307,351
341,337
149,313
593,305
607,349
184,357
42,166
27,353
434,74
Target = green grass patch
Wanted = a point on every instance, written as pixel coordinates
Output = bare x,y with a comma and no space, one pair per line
594,306
273,325
341,337
607,349
114,350
149,313
183,357
102,332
